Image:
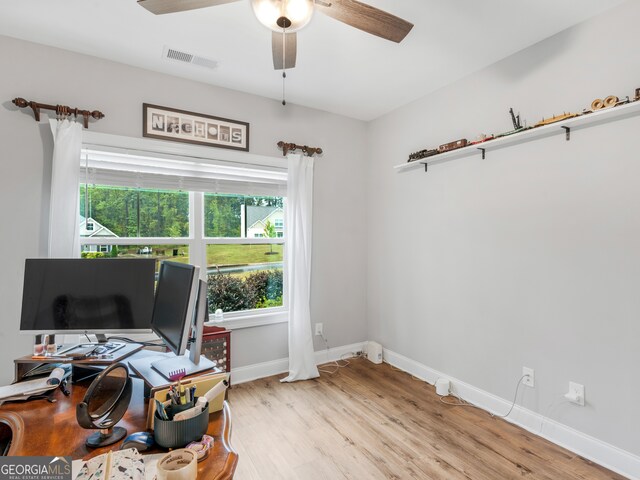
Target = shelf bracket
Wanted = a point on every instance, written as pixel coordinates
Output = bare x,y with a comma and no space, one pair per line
483,150
568,132
426,166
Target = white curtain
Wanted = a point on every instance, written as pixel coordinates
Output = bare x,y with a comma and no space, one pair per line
64,240
302,365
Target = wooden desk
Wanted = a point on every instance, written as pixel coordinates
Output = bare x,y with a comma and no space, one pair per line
45,428
23,364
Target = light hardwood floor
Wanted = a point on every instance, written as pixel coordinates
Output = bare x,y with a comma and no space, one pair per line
374,422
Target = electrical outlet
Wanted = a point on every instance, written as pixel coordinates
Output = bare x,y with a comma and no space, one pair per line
319,329
530,379
576,394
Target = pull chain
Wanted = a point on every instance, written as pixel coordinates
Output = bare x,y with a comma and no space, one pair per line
284,64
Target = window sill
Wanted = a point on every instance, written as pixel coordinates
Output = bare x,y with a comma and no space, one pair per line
251,320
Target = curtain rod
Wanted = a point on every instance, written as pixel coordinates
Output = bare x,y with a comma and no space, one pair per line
61,110
309,151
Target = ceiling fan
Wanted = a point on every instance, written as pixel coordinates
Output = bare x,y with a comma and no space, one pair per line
286,17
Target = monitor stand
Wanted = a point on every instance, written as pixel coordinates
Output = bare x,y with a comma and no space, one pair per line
170,365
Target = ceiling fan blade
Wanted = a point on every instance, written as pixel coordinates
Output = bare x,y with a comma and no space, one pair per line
160,7
367,18
284,57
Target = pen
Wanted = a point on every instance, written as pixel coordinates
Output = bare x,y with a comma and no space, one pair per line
161,411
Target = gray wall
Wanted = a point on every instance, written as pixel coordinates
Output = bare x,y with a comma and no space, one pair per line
530,257
51,75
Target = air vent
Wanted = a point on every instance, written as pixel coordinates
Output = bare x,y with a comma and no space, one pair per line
178,56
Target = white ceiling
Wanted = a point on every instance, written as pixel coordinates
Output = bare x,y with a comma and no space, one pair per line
339,69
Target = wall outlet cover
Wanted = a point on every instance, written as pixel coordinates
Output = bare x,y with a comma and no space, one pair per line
529,381
575,394
319,330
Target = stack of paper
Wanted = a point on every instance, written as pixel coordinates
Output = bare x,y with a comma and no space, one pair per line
24,390
118,465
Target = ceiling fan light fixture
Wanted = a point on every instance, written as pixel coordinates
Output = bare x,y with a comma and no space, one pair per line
277,15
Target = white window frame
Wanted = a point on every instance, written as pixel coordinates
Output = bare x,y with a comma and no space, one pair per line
196,241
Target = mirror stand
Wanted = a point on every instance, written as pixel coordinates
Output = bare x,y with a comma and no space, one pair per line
106,436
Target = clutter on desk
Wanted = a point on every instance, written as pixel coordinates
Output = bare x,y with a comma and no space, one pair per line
202,447
204,385
35,388
183,417
104,404
141,441
114,465
180,464
177,375
171,433
45,369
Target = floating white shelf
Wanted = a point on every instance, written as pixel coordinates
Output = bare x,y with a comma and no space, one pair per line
564,127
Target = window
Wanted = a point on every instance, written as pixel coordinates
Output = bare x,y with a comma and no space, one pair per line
279,223
218,214
162,224
89,226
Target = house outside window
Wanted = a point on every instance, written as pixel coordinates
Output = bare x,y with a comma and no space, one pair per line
163,224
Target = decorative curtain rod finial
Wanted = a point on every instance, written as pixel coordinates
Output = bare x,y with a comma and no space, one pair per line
61,110
291,147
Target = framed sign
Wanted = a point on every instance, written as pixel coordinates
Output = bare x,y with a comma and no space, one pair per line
189,127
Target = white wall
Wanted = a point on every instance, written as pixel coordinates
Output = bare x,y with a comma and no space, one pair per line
50,75
530,257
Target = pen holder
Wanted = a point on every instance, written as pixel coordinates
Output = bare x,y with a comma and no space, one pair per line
177,434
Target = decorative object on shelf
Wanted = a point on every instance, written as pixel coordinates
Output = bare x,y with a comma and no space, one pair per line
609,102
292,147
422,154
481,139
516,120
61,110
555,118
598,104
517,125
176,125
447,147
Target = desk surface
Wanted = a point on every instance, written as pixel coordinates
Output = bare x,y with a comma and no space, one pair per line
51,429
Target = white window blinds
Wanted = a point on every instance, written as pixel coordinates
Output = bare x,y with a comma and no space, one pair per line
151,170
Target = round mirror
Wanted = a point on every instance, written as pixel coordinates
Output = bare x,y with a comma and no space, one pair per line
104,404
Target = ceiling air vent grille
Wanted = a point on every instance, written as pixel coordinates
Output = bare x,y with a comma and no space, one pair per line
180,56
177,55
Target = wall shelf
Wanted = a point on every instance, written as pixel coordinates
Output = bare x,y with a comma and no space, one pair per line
564,127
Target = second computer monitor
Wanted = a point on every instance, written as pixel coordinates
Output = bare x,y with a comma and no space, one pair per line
175,301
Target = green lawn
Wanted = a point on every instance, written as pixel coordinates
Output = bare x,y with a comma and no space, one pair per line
220,255
242,254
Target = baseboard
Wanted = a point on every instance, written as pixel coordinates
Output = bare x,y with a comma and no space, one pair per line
602,453
276,367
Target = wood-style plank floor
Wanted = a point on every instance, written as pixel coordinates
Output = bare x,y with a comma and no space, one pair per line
374,422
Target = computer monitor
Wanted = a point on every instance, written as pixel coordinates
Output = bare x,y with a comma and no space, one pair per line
108,295
180,307
174,305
